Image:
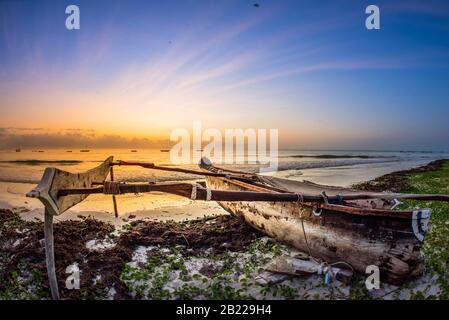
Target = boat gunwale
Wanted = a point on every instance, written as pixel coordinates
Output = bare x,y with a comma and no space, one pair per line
346,209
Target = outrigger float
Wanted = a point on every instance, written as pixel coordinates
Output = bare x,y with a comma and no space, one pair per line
331,224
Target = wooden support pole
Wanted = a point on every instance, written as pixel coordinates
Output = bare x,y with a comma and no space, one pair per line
114,200
50,255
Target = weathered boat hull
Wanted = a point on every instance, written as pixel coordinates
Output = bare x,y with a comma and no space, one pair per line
360,240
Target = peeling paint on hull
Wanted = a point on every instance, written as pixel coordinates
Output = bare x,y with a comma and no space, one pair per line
334,236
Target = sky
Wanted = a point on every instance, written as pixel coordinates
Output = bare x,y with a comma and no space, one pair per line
136,70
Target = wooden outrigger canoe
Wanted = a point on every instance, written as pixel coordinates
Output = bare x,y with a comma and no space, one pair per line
332,224
358,232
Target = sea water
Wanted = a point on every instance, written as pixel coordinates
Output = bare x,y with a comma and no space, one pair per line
324,166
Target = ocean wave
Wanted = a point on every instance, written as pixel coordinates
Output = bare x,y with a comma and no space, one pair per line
19,180
294,165
33,162
336,156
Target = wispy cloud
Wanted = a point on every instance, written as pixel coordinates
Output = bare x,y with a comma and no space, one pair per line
330,66
71,138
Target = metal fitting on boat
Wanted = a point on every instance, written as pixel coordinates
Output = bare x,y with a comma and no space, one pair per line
317,211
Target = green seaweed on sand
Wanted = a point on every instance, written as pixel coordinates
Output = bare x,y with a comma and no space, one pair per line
436,248
22,257
432,178
180,273
25,280
21,252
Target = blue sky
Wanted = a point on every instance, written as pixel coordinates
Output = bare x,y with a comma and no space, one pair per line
313,71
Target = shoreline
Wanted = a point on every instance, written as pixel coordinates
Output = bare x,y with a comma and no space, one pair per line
125,260
396,181
169,207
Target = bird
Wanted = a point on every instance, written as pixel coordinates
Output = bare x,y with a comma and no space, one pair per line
256,5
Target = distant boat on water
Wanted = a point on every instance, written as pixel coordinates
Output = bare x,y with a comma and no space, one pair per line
165,150
133,150
69,151
18,150
85,150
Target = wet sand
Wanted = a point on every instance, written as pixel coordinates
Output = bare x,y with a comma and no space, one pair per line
346,176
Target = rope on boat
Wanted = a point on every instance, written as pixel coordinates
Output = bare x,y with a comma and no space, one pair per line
111,187
194,190
325,197
300,197
324,266
208,194
195,186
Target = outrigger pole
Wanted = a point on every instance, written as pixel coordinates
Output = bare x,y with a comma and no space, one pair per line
60,190
150,165
198,192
